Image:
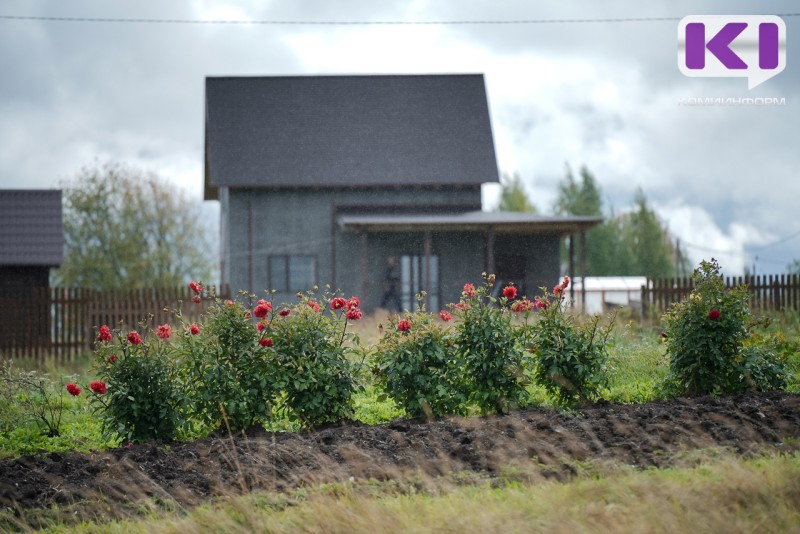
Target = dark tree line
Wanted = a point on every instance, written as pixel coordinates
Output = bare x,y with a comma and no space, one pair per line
631,243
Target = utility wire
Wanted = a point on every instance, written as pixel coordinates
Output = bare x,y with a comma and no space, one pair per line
778,242
346,22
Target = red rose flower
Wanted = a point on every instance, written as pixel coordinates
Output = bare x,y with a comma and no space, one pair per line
284,312
74,390
262,325
522,306
262,309
194,329
404,326
163,331
98,387
197,287
338,303
510,292
229,303
714,314
565,283
134,338
313,305
463,306
469,290
445,315
112,358
354,314
353,303
196,299
541,304
104,333
266,342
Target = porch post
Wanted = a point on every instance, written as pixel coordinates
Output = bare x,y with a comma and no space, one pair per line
364,248
583,270
426,248
571,268
490,251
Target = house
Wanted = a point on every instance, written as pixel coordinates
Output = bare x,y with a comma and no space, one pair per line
323,179
31,243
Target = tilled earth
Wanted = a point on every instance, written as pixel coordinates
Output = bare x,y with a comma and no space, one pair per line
654,434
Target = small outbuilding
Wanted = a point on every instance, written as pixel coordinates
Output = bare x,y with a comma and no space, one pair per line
31,243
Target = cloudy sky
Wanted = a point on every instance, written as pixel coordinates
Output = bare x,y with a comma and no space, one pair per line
724,178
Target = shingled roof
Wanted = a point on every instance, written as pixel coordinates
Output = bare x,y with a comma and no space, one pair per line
31,227
346,131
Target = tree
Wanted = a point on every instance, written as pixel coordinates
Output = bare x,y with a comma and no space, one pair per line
513,196
649,241
629,244
127,228
579,199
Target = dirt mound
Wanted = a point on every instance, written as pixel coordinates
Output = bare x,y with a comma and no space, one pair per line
640,435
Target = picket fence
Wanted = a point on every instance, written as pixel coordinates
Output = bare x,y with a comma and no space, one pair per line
780,292
61,323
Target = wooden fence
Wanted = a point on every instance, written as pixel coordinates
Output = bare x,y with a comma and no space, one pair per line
62,322
767,292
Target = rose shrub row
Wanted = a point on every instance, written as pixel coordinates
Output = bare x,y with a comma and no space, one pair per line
241,368
491,354
245,366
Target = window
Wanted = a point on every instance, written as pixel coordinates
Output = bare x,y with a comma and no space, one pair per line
412,281
290,274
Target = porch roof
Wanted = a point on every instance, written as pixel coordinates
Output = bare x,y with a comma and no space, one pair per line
497,221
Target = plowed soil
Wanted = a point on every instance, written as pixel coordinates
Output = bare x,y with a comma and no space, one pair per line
652,434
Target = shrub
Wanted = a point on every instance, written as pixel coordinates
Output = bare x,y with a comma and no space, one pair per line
30,397
141,396
490,349
313,369
230,373
417,366
709,344
570,359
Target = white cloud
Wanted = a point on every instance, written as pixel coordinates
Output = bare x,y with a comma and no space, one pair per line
701,238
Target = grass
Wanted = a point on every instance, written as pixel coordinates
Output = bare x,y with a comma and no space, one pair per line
720,493
636,371
712,493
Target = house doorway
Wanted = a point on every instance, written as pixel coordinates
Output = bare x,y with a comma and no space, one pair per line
413,270
510,268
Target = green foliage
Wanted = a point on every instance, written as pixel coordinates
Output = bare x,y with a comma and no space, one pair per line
314,370
570,359
579,198
145,398
418,368
30,397
707,341
230,378
649,241
489,350
629,244
124,228
513,196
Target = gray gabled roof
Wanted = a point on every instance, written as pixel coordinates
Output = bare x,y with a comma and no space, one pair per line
498,221
348,131
31,227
